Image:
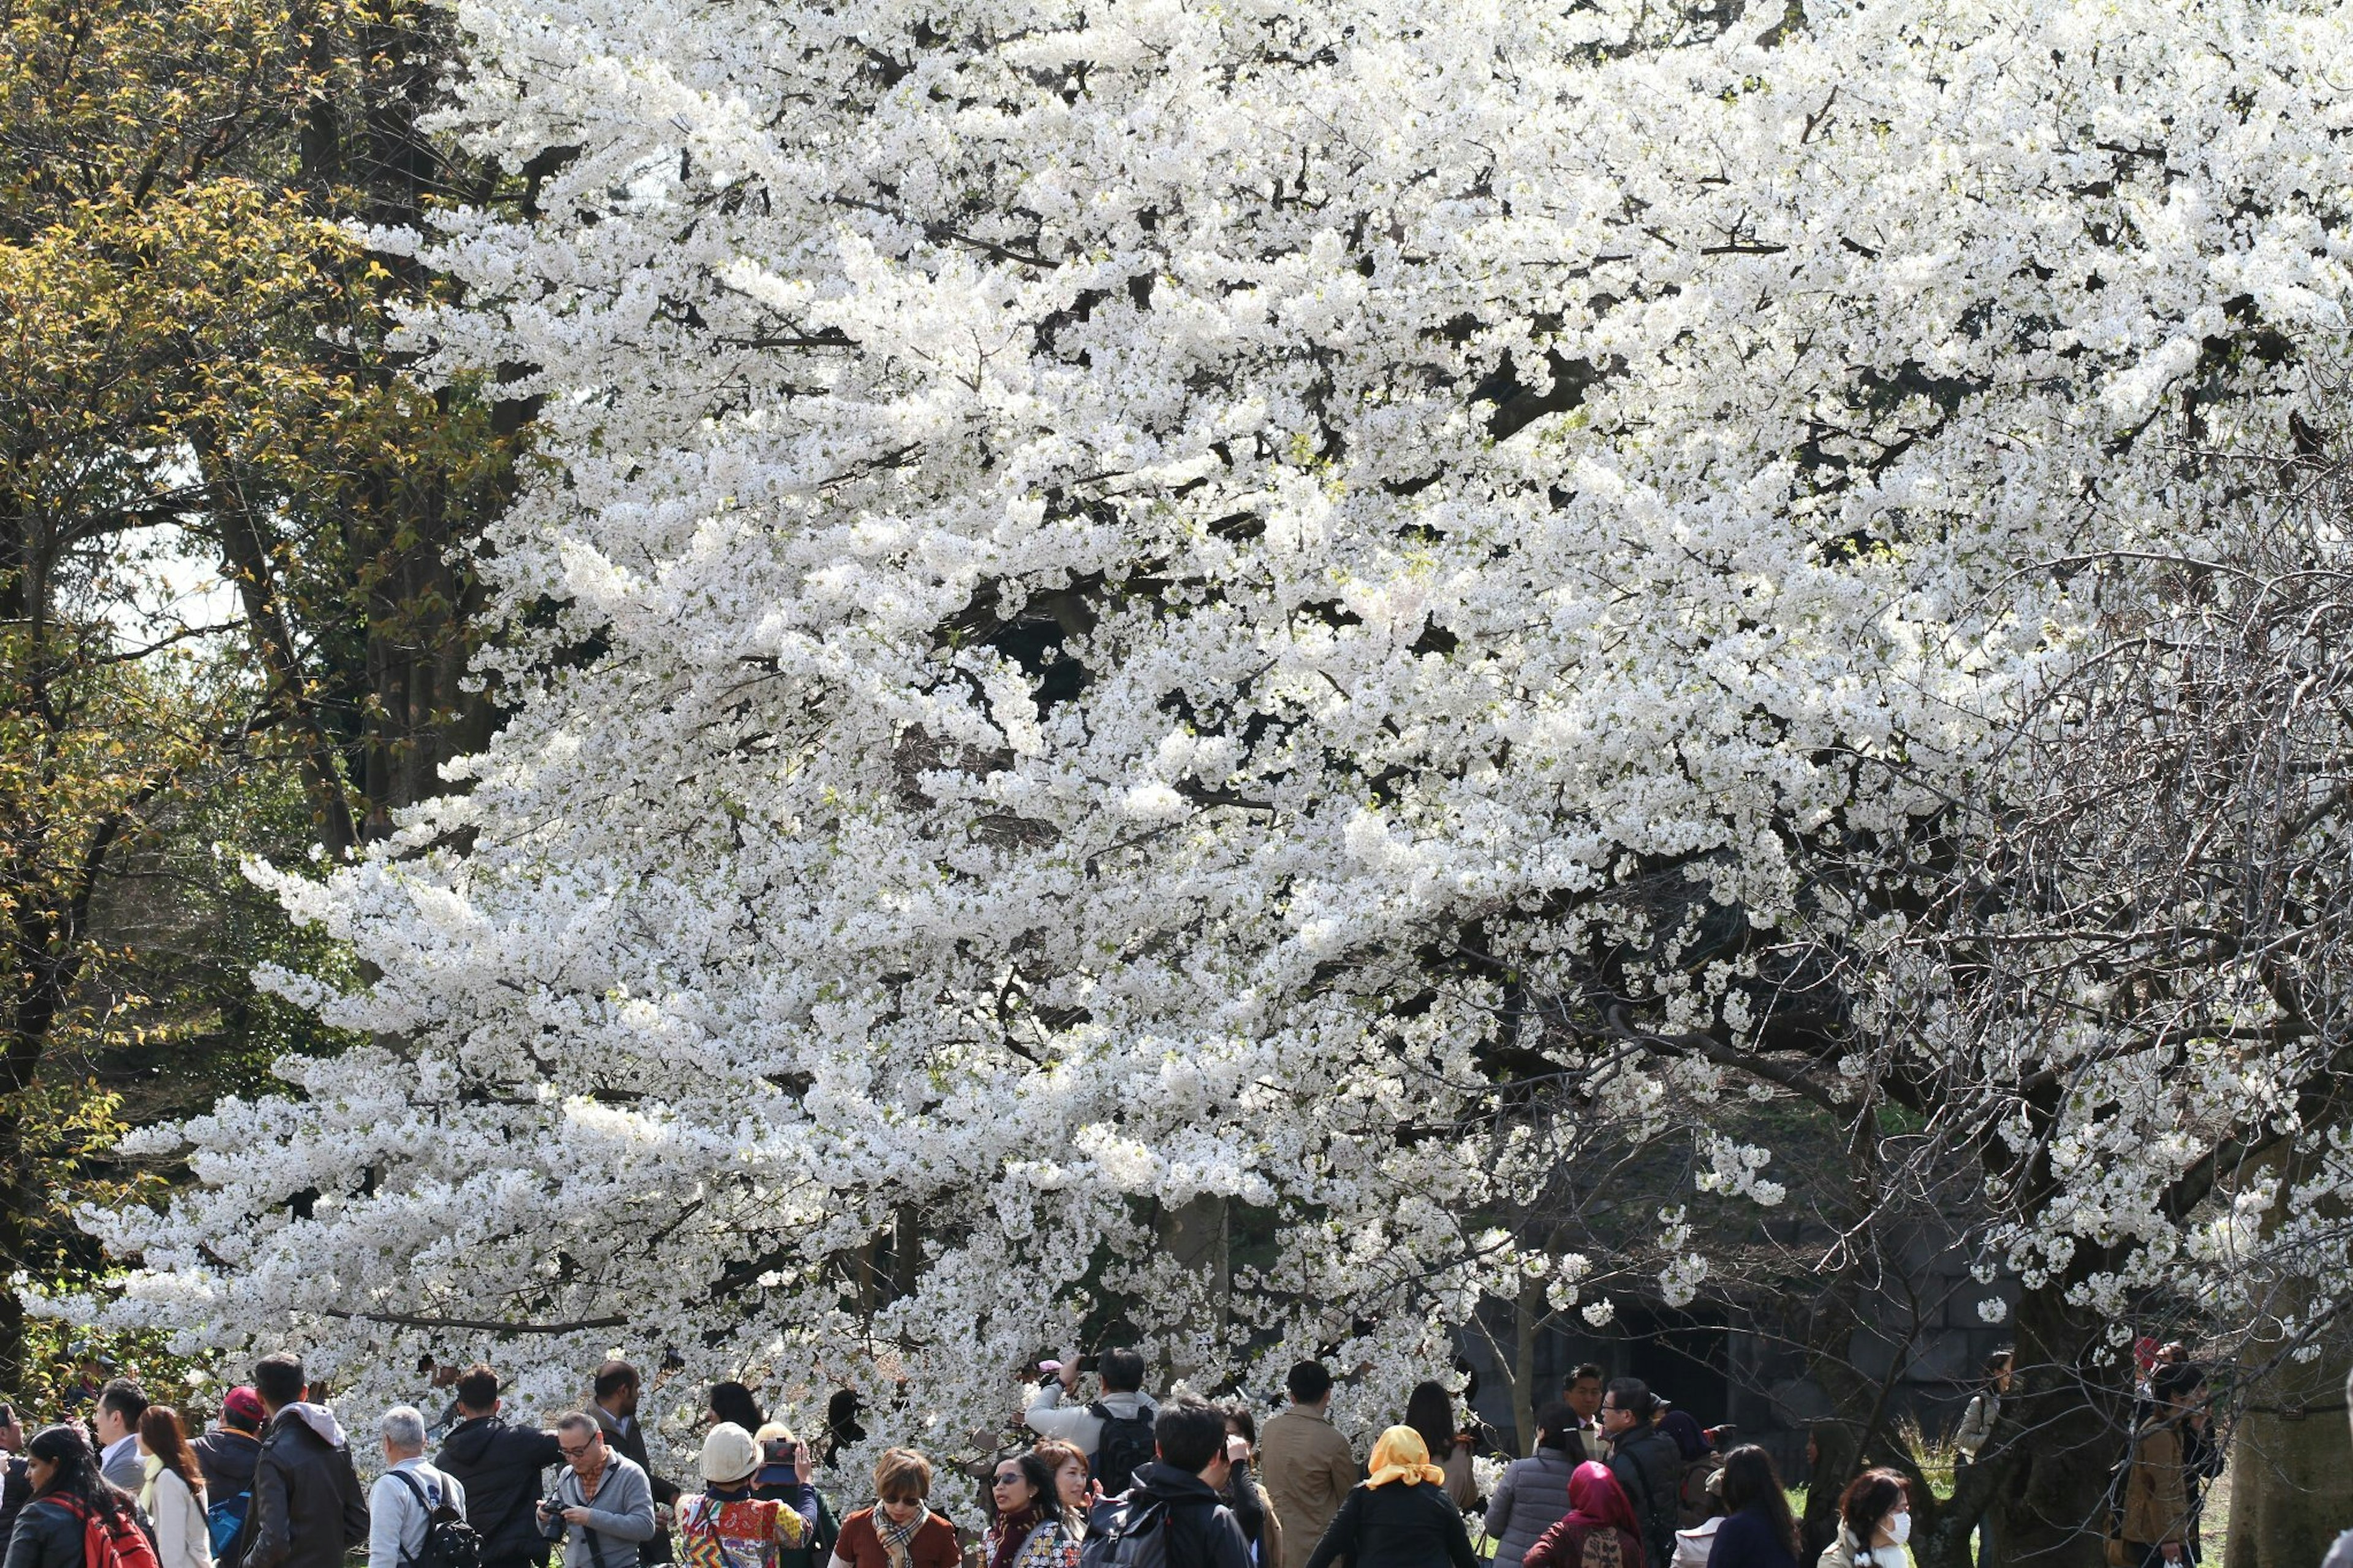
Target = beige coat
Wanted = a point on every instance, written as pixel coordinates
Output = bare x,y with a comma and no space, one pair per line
1306,1470
183,1538
2157,1500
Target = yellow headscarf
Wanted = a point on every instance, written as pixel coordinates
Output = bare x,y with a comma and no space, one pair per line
1402,1456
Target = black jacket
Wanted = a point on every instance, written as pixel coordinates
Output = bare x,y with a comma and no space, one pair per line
49,1534
1651,1467
1405,1524
307,1508
1248,1504
1202,1530
631,1446
15,1492
226,1460
503,1470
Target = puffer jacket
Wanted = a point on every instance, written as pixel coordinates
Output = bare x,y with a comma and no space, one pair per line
1531,1497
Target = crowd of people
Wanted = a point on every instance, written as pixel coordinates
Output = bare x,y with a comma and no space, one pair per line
1616,1477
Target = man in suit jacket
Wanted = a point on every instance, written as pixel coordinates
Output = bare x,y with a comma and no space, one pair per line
616,1411
1581,1392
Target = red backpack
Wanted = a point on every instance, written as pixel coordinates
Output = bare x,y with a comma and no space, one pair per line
118,1542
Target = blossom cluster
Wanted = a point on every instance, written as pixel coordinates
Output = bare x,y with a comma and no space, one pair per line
1111,586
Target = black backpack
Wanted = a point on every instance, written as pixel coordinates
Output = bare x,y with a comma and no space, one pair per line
1127,1535
1126,1442
449,1540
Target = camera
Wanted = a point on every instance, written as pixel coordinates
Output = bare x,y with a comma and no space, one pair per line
551,1518
776,1451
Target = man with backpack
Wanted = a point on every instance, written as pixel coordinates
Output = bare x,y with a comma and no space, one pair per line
226,1455
500,1466
1171,1515
417,1514
307,1508
1648,1465
1116,1432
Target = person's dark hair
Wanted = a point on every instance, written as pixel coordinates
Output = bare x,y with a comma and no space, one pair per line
1869,1498
841,1424
126,1399
1307,1381
1555,1422
615,1375
1040,1475
1580,1373
160,1433
1998,1363
1191,1432
1238,1412
734,1402
1632,1394
478,1389
2177,1378
1122,1371
278,1380
75,1474
1429,1410
1750,1481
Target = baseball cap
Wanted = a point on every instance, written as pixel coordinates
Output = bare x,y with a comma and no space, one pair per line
242,1403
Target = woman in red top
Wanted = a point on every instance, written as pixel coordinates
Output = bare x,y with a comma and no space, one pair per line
1600,1530
899,1530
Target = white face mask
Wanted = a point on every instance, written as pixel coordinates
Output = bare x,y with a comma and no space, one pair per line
1899,1527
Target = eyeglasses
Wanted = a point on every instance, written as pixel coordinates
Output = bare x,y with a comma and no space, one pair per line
572,1452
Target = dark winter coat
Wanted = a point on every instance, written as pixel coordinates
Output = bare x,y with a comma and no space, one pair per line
1202,1530
1651,1467
308,1507
1531,1497
501,1469
1405,1524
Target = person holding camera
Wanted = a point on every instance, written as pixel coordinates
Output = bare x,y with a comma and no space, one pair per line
730,1525
785,1465
1114,1432
602,1507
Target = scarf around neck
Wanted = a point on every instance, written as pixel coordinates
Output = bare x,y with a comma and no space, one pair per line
894,1537
1012,1534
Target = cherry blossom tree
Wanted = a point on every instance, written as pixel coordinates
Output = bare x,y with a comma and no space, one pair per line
1161,649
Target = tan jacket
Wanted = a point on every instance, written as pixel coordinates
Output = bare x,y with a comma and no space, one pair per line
2157,1500
1306,1469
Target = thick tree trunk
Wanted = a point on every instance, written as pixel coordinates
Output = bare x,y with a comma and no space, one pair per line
2062,1428
1194,1236
2292,1456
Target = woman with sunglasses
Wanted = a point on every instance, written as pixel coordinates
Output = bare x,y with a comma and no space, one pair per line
1028,1526
899,1530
